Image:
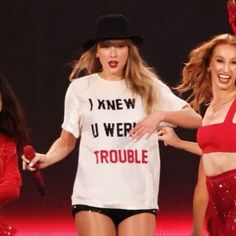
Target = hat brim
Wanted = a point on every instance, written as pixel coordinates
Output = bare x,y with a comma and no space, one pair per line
137,40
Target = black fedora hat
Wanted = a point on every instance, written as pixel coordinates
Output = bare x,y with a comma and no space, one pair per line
111,26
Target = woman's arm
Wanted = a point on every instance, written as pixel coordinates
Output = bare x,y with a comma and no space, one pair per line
185,117
58,151
169,137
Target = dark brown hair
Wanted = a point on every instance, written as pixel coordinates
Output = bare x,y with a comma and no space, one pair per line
12,120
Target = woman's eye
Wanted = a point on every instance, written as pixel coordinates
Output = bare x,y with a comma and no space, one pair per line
104,46
120,45
219,60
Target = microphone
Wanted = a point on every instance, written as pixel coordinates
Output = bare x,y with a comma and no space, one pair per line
29,153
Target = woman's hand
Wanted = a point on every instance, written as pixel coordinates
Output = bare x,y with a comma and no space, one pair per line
58,151
38,162
168,136
147,126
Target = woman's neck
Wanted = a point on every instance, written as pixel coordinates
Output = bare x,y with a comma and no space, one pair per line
109,76
222,96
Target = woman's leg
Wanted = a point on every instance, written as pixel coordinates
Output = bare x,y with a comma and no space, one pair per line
200,202
142,224
89,223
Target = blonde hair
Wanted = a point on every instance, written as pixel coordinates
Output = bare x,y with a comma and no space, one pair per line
196,75
139,76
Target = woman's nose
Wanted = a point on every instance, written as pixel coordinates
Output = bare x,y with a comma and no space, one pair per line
112,51
226,67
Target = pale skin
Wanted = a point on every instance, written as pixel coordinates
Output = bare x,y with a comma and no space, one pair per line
200,202
222,67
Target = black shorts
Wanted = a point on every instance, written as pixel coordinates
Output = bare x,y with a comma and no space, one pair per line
117,215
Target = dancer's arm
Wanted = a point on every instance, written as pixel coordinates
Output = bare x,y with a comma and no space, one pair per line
169,137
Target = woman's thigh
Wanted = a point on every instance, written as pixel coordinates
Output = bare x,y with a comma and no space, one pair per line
142,224
89,223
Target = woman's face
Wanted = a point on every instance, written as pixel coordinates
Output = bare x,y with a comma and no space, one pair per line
113,55
223,67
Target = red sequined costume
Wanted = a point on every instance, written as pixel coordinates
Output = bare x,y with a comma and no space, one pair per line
10,178
222,193
222,187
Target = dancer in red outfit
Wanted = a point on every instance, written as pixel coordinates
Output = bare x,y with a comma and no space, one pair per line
211,76
13,135
200,197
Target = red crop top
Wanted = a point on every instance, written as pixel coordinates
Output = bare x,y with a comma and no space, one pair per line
220,137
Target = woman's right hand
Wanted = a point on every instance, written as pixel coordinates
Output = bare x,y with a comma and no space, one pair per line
38,162
168,136
58,151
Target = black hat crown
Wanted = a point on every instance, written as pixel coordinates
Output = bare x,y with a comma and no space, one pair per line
111,26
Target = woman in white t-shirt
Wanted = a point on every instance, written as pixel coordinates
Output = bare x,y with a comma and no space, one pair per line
115,110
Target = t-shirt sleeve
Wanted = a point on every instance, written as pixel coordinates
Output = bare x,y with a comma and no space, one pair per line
71,122
167,100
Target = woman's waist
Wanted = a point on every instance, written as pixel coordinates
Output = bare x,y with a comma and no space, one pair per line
218,162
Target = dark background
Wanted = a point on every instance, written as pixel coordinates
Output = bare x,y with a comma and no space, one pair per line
40,39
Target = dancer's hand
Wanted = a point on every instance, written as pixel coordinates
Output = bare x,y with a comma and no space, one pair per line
168,136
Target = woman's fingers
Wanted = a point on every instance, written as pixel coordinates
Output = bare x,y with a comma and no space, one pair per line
30,165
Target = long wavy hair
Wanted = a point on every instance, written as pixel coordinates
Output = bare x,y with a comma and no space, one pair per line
138,75
12,121
196,77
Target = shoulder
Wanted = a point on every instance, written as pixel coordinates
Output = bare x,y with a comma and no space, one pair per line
82,83
167,98
160,85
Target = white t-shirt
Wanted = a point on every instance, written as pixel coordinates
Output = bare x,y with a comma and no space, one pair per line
113,171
